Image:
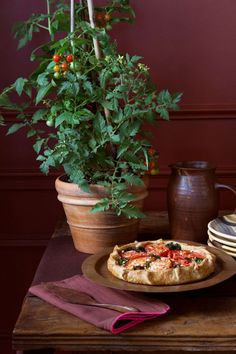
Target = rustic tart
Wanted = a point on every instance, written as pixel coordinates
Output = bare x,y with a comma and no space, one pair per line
161,262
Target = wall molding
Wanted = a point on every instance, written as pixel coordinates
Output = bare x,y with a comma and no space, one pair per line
205,112
225,170
186,112
33,180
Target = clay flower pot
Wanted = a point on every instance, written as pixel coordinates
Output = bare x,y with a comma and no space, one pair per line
92,232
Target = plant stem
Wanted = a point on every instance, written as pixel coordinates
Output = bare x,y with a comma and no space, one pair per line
41,26
49,21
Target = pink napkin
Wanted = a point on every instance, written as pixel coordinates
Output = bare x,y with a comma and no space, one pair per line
107,319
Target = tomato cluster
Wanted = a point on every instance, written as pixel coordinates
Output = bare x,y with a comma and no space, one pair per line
63,64
103,19
152,166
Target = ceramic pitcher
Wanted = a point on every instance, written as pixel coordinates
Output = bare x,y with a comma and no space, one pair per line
192,199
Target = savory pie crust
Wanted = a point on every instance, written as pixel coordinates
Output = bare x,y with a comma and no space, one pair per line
159,271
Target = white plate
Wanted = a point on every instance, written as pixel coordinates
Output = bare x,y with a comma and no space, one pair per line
224,243
222,239
213,238
221,227
233,254
229,219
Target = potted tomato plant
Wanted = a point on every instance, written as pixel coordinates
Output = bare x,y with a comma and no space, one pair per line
94,102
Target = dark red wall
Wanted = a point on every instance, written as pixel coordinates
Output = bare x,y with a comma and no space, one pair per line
189,47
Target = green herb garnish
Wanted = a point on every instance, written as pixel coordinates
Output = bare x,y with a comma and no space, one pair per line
138,267
155,256
121,261
173,246
198,260
140,249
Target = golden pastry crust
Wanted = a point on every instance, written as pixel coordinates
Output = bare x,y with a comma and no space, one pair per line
161,262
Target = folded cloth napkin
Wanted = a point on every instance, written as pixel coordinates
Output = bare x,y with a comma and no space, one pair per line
107,319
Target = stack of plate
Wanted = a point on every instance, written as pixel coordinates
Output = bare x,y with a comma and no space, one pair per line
222,234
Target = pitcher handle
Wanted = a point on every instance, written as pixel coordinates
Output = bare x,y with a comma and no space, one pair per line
232,189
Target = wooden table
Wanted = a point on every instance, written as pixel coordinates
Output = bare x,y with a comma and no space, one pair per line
202,320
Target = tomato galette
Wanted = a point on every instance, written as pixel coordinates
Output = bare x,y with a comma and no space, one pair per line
161,262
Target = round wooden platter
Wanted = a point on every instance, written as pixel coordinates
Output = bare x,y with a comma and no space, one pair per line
95,269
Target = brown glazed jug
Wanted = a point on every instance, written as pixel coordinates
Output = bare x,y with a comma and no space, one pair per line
192,199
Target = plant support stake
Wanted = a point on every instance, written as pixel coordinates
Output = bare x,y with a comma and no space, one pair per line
91,20
95,42
72,16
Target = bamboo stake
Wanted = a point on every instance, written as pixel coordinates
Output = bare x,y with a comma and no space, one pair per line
92,24
72,16
96,43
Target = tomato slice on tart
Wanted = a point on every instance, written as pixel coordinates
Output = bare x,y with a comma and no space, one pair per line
185,254
161,263
132,254
157,249
137,263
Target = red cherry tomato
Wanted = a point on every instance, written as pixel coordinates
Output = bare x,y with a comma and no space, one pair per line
56,58
151,165
151,152
64,66
69,58
100,16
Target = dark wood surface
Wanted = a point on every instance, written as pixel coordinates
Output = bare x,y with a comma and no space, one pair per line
198,321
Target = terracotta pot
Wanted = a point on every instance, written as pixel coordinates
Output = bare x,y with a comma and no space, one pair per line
92,232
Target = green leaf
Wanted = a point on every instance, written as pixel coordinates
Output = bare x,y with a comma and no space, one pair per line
28,91
65,116
99,123
163,112
6,103
38,115
134,128
84,186
31,133
42,93
104,76
38,145
15,127
126,197
103,205
88,86
22,42
42,79
123,148
115,138
19,85
41,158
108,105
1,119
117,117
177,97
133,179
132,212
135,58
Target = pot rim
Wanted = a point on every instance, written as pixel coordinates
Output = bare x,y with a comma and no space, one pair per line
192,165
96,190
